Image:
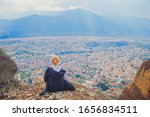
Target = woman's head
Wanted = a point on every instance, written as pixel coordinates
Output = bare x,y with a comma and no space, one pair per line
55,60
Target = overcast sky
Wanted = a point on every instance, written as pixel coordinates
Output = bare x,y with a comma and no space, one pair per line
113,8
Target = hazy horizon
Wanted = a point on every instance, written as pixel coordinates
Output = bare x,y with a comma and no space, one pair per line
107,8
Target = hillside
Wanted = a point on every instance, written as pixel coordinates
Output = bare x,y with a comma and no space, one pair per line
140,88
31,92
73,22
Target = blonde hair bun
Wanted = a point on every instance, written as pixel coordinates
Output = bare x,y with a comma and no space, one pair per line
55,60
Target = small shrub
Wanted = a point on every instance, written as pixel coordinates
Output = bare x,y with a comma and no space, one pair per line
8,68
103,86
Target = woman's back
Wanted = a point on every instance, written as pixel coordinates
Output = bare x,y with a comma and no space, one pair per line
54,78
55,81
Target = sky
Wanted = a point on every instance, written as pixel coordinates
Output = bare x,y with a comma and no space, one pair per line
11,9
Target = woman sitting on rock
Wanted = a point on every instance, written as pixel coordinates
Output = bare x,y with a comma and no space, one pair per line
54,78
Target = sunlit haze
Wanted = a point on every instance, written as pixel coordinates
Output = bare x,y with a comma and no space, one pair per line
110,8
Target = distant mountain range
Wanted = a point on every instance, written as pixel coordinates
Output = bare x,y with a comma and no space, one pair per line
73,22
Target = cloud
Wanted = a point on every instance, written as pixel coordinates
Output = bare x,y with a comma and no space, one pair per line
15,8
138,8
10,8
28,5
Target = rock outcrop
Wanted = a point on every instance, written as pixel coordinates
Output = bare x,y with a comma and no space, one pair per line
8,69
31,92
140,88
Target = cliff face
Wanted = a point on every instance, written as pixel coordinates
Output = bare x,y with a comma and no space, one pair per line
8,69
140,88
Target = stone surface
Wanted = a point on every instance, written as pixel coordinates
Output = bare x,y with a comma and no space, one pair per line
31,92
140,88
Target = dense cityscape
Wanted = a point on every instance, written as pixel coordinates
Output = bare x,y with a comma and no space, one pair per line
108,64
